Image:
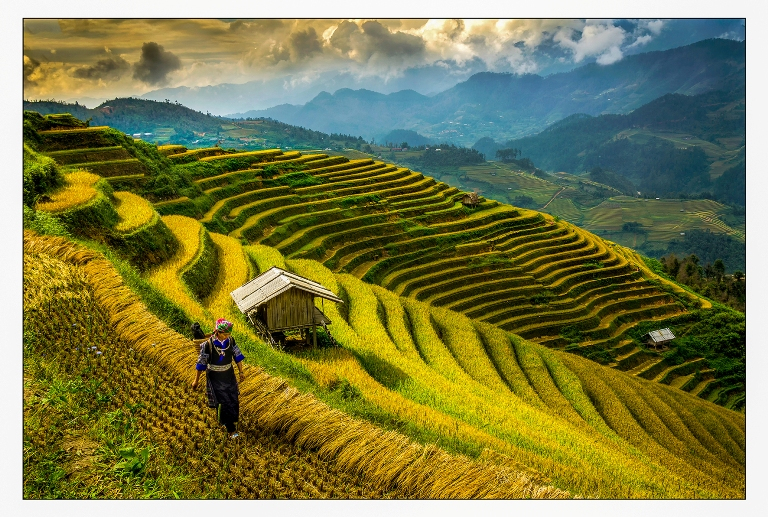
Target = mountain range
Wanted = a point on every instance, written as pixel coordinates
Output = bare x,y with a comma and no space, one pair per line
676,144
505,106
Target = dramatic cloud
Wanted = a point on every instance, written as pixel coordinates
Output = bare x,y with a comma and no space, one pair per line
277,53
110,67
155,64
371,39
304,43
256,26
642,40
610,56
342,35
655,26
30,66
453,28
65,58
41,26
239,25
643,32
601,40
377,39
91,29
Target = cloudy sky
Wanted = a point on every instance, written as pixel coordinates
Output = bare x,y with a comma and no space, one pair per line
91,60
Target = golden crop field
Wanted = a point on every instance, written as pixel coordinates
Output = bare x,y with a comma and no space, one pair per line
134,211
419,365
77,190
400,229
233,272
383,460
166,276
250,154
413,400
481,390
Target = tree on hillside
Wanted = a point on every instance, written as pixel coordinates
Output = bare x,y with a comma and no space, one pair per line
633,227
524,202
710,280
710,246
448,155
507,155
719,269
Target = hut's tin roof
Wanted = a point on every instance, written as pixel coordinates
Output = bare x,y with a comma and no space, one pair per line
661,335
272,283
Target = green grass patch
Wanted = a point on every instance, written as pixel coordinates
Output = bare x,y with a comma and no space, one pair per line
201,273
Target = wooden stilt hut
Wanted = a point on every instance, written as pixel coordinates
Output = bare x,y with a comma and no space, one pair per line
278,301
470,199
659,338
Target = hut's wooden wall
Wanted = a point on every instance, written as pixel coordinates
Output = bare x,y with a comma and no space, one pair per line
293,308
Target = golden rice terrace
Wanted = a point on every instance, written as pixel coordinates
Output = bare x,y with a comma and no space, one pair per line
457,332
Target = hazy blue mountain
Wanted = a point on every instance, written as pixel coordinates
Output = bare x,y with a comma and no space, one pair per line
673,145
227,98
349,111
412,138
504,106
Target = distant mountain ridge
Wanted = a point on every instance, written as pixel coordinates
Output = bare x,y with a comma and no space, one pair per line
504,106
348,108
676,144
168,121
132,115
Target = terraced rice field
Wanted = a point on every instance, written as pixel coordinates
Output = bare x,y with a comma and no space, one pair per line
134,211
591,430
78,189
664,219
396,228
444,306
285,450
522,271
415,238
92,149
510,182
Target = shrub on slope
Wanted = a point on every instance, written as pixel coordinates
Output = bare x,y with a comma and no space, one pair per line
41,176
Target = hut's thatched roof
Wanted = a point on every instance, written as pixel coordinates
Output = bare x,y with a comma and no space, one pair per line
272,283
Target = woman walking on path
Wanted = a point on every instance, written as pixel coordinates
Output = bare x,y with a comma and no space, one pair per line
216,356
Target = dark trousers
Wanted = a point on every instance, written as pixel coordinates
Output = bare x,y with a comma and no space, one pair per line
226,417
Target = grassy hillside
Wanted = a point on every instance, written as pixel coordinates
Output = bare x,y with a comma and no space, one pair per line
414,368
164,122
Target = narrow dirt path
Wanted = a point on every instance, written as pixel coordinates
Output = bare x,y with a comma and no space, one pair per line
553,198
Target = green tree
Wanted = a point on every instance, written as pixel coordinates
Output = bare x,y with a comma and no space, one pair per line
719,269
633,227
524,201
507,155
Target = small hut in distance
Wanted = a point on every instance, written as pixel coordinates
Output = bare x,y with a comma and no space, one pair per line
278,301
658,338
470,199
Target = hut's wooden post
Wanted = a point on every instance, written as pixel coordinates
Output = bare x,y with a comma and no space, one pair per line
314,336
